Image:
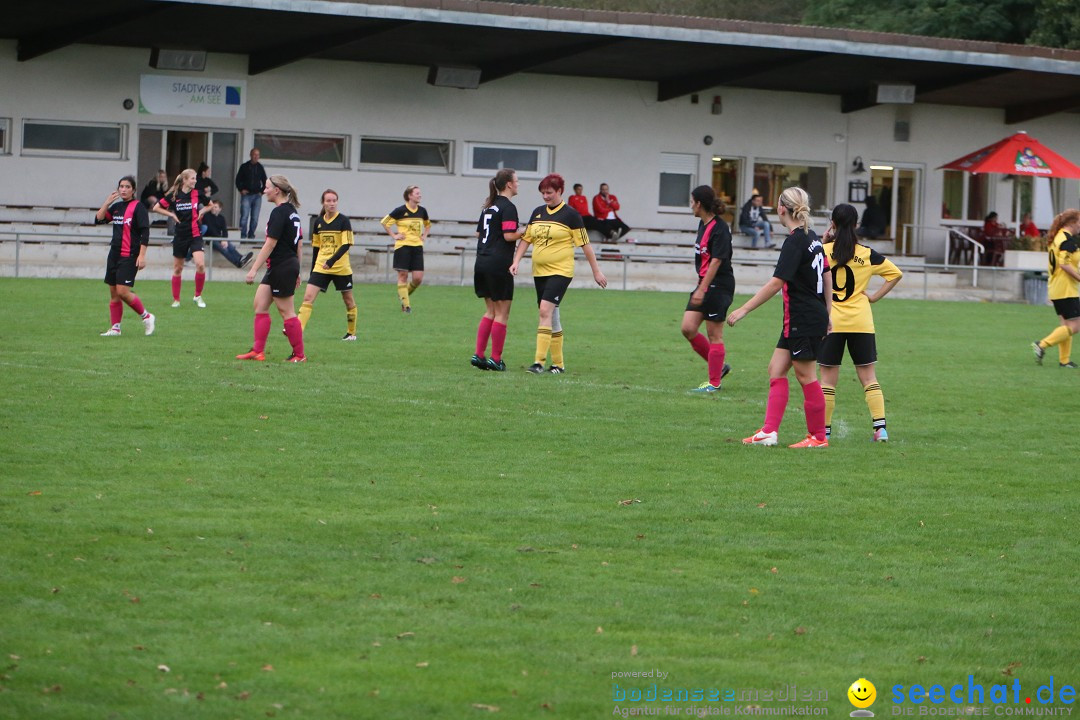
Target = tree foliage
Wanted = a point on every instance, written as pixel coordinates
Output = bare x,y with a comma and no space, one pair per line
1052,23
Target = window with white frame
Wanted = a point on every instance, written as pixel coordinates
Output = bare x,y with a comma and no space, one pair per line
530,161
772,177
290,148
5,135
48,137
678,174
431,155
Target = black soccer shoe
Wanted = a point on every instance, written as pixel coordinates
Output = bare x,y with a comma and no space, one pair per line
535,368
479,362
497,366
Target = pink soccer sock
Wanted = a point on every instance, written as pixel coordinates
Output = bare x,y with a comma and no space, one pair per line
175,287
483,331
200,281
700,343
777,403
136,304
262,331
498,340
116,311
716,363
814,407
295,332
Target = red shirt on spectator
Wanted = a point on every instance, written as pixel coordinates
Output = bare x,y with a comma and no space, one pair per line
602,207
579,203
1028,229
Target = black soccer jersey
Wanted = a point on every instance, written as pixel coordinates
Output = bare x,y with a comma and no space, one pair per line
493,252
186,208
131,226
801,265
714,243
283,226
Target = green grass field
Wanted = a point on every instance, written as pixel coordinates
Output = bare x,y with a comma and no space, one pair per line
386,532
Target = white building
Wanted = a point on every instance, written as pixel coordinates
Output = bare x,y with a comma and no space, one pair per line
353,95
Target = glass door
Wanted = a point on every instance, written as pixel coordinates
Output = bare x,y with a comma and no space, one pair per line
897,189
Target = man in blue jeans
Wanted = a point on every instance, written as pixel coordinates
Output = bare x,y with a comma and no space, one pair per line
754,222
251,182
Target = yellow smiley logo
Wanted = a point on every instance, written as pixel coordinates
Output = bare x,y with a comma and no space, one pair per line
862,693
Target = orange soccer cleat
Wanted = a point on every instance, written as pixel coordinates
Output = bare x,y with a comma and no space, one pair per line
810,442
251,355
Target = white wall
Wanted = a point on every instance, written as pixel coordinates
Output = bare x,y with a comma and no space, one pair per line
602,130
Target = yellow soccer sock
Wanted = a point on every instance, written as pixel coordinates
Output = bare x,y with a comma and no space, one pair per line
830,403
304,314
543,342
875,400
1060,334
350,318
412,286
1065,350
403,293
556,348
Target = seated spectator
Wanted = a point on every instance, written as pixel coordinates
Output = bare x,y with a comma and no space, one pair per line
154,191
992,228
754,222
216,227
1027,227
873,220
579,202
204,184
605,206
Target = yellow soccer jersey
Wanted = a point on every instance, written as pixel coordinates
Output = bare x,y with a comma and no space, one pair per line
1063,251
331,234
554,234
411,222
850,305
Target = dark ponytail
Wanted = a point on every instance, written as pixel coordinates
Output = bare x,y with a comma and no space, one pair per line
706,196
844,217
498,183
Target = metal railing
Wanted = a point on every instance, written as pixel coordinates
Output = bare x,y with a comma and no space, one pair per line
950,232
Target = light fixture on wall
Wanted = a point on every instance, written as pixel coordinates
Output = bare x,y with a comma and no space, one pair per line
857,167
707,139
165,59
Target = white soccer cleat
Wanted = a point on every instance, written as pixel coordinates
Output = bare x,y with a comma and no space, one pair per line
112,332
175,303
761,438
148,323
199,301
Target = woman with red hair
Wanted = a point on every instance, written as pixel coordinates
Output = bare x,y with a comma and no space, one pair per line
554,230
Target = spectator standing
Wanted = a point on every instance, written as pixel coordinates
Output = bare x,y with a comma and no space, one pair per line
754,222
204,184
214,226
605,209
579,202
251,182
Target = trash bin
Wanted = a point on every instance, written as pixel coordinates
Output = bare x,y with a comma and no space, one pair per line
1035,288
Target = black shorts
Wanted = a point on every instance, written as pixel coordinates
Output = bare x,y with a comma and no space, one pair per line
409,258
551,288
495,285
323,280
181,248
282,277
120,270
861,346
1067,308
801,348
715,305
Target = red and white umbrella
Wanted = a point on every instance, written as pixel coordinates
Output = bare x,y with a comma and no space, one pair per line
1018,154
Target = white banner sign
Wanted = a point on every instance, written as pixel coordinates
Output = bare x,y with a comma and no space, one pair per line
193,96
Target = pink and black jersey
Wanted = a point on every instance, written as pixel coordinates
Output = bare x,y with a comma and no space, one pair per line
801,266
130,226
284,226
714,243
493,252
186,208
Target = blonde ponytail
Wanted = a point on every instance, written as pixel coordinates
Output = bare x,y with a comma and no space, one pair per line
282,183
797,203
